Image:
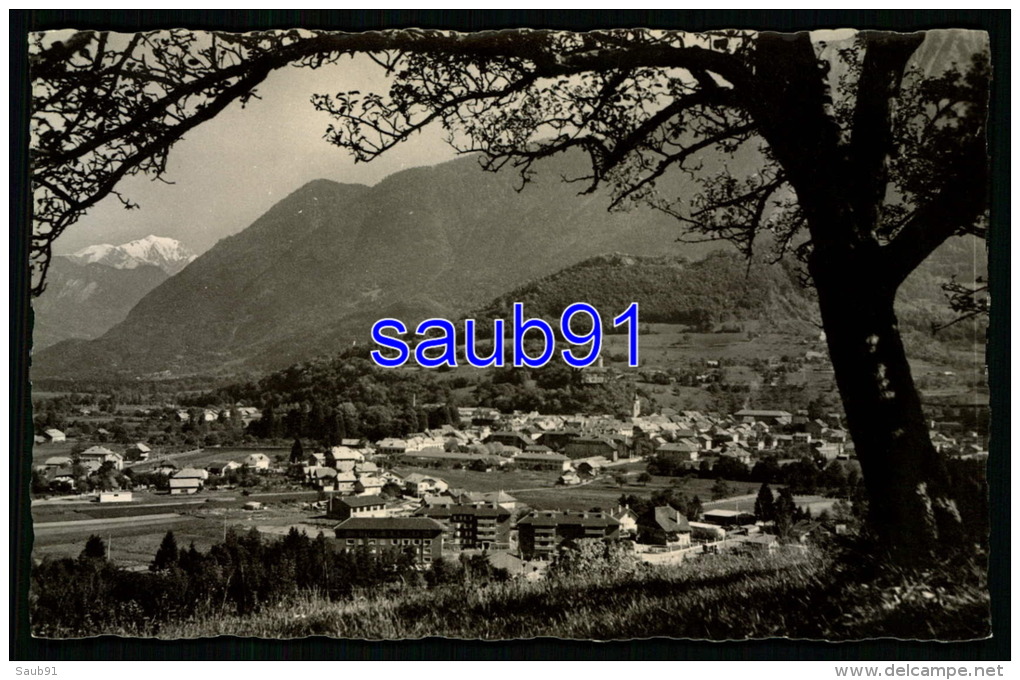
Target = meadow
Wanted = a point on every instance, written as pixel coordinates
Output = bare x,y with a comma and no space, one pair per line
538,489
795,594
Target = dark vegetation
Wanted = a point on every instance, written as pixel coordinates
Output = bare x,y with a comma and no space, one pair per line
243,575
805,474
295,586
703,295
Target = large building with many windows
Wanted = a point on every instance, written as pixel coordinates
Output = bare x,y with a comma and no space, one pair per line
467,527
541,533
417,536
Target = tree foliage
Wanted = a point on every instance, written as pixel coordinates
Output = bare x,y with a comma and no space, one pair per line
591,557
641,104
784,513
241,575
95,548
167,554
765,504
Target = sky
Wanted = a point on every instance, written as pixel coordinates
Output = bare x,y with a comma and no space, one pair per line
230,170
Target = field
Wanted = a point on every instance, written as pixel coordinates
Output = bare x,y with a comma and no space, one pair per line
668,345
539,490
131,545
201,519
486,481
604,493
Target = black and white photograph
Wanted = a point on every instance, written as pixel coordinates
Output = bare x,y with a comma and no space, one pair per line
600,335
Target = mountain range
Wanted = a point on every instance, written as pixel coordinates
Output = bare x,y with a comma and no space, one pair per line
166,253
313,273
92,290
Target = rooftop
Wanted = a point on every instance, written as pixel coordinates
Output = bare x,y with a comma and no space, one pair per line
450,510
553,518
361,501
96,450
536,455
389,524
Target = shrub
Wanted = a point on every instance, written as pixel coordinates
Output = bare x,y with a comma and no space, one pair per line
592,557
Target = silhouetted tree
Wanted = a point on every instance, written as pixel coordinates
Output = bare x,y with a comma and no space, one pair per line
764,505
297,451
785,508
95,548
695,510
166,555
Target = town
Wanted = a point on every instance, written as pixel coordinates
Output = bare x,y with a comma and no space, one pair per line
512,487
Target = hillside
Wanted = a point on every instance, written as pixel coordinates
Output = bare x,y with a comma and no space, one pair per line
723,287
673,290
698,600
313,273
793,594
86,300
921,301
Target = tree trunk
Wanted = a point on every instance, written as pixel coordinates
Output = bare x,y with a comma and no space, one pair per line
839,188
911,511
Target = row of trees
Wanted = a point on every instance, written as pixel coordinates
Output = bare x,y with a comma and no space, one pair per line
243,574
806,475
782,512
328,425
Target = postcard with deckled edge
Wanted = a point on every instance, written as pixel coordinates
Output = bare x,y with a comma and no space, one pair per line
612,335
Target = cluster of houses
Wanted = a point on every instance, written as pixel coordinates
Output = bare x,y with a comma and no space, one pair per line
190,480
422,515
578,446
62,468
496,524
246,413
346,470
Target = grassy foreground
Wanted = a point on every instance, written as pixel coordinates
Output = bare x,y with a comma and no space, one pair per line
793,594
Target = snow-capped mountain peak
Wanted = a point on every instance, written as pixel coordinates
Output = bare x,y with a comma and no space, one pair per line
166,253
